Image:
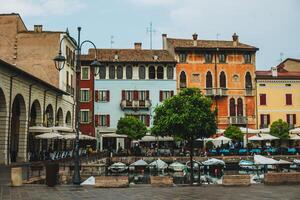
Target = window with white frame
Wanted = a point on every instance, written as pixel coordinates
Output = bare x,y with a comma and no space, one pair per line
103,95
163,95
84,95
85,73
142,95
84,116
102,120
128,95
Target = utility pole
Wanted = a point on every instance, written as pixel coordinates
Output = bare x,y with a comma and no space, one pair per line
150,30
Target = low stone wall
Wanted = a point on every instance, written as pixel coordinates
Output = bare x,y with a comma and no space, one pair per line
236,180
111,181
160,181
282,178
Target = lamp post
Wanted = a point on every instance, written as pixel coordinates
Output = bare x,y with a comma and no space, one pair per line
59,61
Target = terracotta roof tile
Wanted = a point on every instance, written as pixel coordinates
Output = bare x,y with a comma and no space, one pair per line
280,75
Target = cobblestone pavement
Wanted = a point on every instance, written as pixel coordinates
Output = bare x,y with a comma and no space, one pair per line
259,192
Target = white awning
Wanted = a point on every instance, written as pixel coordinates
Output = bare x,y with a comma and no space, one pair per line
39,129
81,137
151,138
62,129
50,135
249,130
113,135
295,137
295,130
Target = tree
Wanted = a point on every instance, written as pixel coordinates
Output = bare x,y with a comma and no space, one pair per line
280,129
134,128
234,133
187,115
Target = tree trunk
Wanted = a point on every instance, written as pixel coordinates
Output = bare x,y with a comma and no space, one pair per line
191,161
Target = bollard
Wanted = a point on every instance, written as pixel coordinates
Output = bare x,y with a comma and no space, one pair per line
16,176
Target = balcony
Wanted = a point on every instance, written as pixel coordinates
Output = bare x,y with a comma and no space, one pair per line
216,92
209,92
182,85
135,104
249,92
237,120
70,90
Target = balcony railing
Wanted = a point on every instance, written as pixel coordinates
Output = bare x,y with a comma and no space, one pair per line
237,120
249,92
70,90
182,85
209,92
221,92
217,92
135,104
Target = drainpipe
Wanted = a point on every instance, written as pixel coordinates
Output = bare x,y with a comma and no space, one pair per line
9,117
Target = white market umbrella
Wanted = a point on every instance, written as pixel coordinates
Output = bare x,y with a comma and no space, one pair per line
295,130
248,130
264,130
90,181
151,138
159,164
139,163
284,162
50,135
255,138
222,138
269,137
39,129
262,160
220,131
295,137
213,161
81,137
177,166
113,135
62,129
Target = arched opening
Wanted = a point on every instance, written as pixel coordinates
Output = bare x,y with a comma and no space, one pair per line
170,72
142,72
248,81
119,72
59,120
18,129
3,126
209,83
129,72
112,72
151,72
68,120
35,114
102,72
232,107
160,72
49,116
222,80
240,107
182,79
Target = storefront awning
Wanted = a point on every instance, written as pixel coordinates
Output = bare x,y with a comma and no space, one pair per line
39,129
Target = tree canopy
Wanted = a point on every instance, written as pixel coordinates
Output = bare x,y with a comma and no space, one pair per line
280,129
134,128
234,133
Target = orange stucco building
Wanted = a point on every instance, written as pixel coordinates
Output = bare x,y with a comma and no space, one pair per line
223,70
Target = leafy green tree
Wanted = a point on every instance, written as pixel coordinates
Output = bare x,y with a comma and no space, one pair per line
187,115
280,129
134,128
234,133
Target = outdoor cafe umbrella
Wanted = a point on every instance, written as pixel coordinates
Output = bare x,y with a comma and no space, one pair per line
248,130
255,138
81,137
295,130
159,164
262,137
295,137
49,135
222,138
264,130
139,163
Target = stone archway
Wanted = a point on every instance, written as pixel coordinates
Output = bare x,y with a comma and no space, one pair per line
59,120
68,119
49,116
18,130
35,114
3,128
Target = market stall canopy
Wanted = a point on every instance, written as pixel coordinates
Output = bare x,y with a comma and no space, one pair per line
222,138
151,138
255,138
220,131
284,162
295,137
295,130
81,137
262,160
113,135
269,137
249,130
262,137
264,130
49,135
177,166
213,161
62,129
39,129
159,164
139,163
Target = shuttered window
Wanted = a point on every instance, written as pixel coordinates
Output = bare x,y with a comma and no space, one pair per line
263,99
288,99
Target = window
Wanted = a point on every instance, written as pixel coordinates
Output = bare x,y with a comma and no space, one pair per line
232,107
142,72
291,120
262,99
248,81
85,116
262,85
208,57
209,80
67,78
160,72
119,72
182,57
101,95
111,72
288,99
195,78
102,72
247,58
163,95
170,72
151,72
142,95
240,107
264,120
85,73
102,120
128,95
222,58
222,80
182,79
84,95
129,72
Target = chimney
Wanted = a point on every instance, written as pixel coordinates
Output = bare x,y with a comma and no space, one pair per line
38,28
274,71
138,46
235,39
195,37
164,40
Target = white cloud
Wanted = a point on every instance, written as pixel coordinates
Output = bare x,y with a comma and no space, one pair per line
41,7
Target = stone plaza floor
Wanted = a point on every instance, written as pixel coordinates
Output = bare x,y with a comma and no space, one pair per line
257,192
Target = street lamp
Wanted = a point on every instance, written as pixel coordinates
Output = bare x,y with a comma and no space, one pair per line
59,61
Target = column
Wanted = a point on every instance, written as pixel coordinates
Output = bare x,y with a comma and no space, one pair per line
3,139
147,72
22,151
106,72
124,72
165,72
155,71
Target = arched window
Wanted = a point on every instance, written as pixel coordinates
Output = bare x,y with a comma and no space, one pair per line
151,72
119,72
111,72
160,72
209,80
248,81
142,72
182,80
232,107
68,120
222,80
170,72
240,107
102,72
129,72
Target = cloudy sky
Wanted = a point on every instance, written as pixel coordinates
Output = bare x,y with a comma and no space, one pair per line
271,25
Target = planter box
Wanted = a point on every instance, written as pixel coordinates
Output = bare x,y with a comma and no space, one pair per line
159,181
282,178
236,180
111,181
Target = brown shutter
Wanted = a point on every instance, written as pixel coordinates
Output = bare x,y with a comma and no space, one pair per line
96,95
268,119
90,95
96,120
172,93
294,119
288,118
135,95
288,99
160,96
90,116
108,120
147,120
123,94
261,120
262,98
107,96
147,94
